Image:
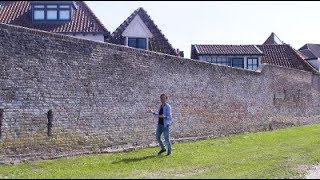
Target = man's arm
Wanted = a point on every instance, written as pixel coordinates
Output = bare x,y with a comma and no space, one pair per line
154,113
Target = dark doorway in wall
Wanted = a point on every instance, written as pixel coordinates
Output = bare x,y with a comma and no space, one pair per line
1,119
49,125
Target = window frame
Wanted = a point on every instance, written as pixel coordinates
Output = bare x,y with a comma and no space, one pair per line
46,8
136,42
250,66
237,58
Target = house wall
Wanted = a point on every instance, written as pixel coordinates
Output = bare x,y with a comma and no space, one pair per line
206,57
97,37
137,28
99,94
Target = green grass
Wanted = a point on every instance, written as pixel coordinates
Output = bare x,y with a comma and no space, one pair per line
284,153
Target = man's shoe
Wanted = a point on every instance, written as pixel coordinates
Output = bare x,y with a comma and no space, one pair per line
161,151
168,154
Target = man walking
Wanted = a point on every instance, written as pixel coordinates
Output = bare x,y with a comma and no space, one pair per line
164,122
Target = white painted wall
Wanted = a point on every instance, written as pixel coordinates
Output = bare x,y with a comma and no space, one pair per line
98,37
137,29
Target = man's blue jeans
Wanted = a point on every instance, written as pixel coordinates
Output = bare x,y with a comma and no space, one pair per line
165,130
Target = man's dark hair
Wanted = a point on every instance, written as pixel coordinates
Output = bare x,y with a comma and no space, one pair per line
164,96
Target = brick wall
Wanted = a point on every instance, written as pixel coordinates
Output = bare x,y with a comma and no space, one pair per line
99,94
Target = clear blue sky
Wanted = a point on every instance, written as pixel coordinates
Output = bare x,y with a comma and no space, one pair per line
220,22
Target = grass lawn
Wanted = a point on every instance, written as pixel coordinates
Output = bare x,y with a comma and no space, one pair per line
285,153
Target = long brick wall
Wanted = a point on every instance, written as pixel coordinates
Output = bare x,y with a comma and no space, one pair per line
62,96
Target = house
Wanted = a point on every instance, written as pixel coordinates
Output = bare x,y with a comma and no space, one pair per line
139,31
241,56
72,18
311,53
284,55
250,56
272,51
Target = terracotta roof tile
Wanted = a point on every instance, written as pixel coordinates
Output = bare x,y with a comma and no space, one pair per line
19,13
227,49
284,55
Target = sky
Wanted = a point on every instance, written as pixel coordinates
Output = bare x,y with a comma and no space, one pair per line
220,22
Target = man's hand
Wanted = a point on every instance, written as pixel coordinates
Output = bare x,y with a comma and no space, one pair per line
161,116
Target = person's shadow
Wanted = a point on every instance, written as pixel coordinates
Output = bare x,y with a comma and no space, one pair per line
128,160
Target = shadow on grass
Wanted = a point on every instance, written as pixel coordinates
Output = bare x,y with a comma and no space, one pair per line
128,160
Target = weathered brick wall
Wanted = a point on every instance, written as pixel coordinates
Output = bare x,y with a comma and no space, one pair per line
99,95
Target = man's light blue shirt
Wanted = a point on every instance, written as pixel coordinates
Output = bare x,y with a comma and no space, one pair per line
167,114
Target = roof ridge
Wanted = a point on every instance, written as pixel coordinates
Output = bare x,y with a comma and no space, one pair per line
225,44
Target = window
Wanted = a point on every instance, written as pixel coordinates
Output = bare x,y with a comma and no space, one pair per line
2,3
38,6
51,12
207,58
252,63
237,62
213,60
38,14
223,60
64,14
137,43
52,6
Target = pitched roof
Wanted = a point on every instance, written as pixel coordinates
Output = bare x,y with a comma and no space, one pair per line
227,49
311,51
83,20
158,42
284,55
273,39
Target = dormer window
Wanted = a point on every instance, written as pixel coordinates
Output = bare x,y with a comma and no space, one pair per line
137,34
51,12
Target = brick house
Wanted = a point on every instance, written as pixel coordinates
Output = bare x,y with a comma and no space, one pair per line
72,18
311,53
139,31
